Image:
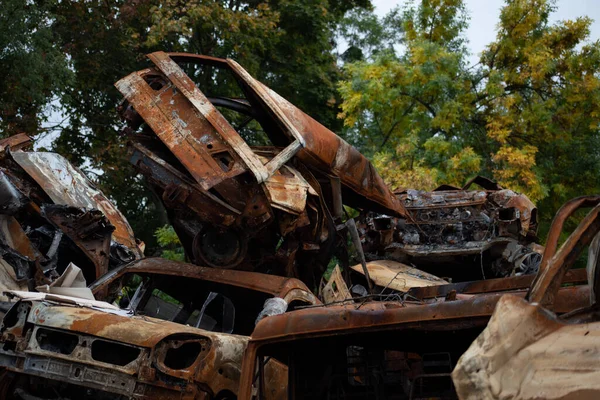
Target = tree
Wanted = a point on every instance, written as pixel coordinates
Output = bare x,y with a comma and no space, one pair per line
35,71
413,103
287,44
105,41
519,115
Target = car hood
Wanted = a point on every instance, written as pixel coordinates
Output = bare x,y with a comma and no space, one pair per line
134,330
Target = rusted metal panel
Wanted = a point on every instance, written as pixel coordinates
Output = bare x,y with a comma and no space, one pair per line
178,190
277,104
524,340
53,298
135,330
90,230
192,140
398,276
271,99
325,150
336,291
422,200
508,199
14,237
288,190
526,353
575,276
205,108
67,186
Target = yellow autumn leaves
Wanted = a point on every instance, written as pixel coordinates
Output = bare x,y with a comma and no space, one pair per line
522,115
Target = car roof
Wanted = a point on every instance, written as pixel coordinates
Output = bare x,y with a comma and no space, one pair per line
265,283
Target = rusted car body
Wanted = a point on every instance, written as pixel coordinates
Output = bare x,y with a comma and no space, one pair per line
403,349
462,233
527,351
236,206
74,350
175,340
52,215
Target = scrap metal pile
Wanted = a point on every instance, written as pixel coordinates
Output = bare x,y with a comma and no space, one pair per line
279,208
260,194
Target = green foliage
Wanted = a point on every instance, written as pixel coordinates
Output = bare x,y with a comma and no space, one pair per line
287,44
169,243
164,296
527,114
34,70
97,36
366,35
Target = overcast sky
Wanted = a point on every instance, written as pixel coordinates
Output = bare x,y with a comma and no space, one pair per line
485,13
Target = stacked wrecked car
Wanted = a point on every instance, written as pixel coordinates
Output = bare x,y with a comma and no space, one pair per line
52,215
285,294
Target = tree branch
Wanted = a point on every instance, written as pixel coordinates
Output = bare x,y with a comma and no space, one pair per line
426,105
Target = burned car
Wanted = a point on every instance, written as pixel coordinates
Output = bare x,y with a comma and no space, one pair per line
274,207
61,347
528,350
51,215
358,343
525,352
176,338
461,233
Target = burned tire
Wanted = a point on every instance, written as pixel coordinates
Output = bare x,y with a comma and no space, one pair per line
219,248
